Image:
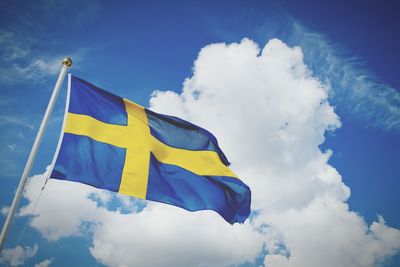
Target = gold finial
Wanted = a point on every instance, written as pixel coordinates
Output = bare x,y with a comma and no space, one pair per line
67,62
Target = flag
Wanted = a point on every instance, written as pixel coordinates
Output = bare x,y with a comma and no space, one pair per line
112,143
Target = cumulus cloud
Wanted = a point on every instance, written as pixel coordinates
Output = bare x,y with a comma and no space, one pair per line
63,209
326,233
67,209
270,115
18,255
176,237
354,88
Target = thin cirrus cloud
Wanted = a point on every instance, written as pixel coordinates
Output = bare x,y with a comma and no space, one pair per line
23,60
270,114
27,46
20,63
18,256
352,87
15,121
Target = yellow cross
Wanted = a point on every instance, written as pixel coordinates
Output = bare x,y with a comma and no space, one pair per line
135,137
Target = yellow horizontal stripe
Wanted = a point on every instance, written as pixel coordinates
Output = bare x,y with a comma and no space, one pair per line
88,126
137,139
198,162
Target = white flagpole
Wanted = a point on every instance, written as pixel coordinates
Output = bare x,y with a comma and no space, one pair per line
66,63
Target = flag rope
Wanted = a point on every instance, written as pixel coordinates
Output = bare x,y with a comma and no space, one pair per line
28,220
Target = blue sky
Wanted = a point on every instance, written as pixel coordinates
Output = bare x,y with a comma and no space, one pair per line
135,48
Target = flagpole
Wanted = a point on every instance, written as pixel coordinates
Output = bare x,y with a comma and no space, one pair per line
66,63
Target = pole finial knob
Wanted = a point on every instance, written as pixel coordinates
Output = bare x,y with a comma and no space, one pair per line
67,62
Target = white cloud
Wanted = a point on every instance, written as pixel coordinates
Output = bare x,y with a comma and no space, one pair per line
19,62
15,120
326,233
11,47
27,51
63,207
355,89
39,68
12,147
177,237
270,116
23,63
44,263
18,255
4,210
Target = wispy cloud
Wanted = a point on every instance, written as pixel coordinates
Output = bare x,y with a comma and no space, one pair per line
12,147
11,47
4,210
23,63
14,120
19,60
31,58
18,255
9,167
354,89
44,263
30,53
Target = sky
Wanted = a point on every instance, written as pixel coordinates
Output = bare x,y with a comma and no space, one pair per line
303,96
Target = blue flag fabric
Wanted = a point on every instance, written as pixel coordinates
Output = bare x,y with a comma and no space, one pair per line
112,143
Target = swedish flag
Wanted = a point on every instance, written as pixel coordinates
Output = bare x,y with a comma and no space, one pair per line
112,143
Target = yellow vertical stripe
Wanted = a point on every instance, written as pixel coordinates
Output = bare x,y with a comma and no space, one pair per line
137,158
